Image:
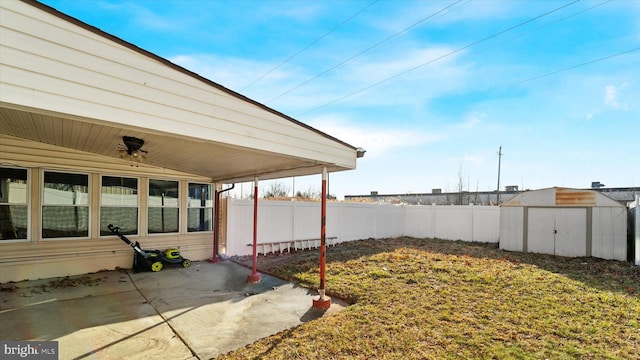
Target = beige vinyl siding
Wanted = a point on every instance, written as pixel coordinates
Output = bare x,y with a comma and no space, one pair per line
82,74
50,258
59,257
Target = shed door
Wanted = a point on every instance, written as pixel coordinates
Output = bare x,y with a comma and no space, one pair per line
558,231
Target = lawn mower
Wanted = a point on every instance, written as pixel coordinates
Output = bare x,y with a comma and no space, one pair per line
151,260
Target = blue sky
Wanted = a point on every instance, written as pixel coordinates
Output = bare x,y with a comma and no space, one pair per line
431,89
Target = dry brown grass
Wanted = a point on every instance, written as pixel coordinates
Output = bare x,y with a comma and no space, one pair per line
432,299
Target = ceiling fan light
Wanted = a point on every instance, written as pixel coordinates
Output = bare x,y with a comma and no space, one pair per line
132,149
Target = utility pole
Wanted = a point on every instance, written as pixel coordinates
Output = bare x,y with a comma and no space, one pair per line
499,160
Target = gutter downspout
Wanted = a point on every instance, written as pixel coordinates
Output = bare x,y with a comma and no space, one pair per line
216,224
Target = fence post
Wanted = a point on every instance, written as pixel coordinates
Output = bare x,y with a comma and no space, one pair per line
434,207
294,209
471,222
375,220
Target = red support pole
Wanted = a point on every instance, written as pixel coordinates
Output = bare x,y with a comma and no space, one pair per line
323,302
255,277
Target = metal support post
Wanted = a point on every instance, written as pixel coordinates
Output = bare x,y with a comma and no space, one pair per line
323,301
255,277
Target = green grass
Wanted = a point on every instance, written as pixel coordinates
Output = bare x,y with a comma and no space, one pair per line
432,299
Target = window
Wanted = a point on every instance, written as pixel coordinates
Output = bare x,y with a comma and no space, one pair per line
119,205
164,206
65,205
13,203
200,208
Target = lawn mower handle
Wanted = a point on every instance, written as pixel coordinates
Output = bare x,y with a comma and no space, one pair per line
116,230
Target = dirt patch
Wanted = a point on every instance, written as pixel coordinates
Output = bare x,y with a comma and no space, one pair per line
75,282
9,289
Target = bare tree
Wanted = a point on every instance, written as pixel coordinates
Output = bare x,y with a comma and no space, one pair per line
460,188
310,193
475,197
276,190
447,195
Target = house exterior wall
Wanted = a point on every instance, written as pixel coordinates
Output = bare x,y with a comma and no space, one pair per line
51,65
70,92
36,257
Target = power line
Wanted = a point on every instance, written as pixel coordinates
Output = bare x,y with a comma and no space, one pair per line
310,45
366,50
440,57
545,25
572,67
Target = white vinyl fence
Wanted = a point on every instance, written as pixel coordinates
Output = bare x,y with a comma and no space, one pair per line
296,224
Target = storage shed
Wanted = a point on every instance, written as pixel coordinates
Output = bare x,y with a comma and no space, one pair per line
565,222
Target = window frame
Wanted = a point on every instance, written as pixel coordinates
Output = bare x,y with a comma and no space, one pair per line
101,204
212,207
177,206
27,204
43,204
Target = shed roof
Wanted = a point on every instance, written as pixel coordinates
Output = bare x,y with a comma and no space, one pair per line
561,197
69,84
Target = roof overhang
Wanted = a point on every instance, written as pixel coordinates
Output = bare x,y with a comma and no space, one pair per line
220,162
68,84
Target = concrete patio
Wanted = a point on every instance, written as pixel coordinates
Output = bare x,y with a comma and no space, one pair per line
194,313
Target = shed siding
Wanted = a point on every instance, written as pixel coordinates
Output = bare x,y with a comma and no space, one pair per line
571,232
609,237
565,197
565,222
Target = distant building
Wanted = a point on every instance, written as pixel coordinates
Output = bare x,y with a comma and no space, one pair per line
623,195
